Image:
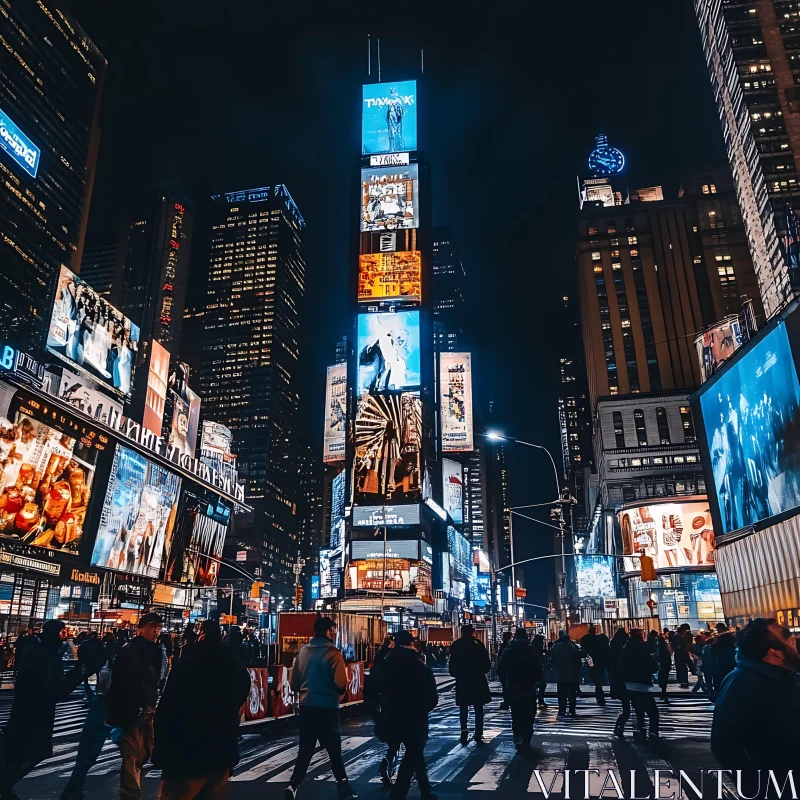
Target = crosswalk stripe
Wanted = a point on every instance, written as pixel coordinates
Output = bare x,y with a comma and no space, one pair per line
252,774
550,767
488,777
350,743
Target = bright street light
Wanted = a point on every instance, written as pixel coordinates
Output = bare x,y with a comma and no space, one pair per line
494,436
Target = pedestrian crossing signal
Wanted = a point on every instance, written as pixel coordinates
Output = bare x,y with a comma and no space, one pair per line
648,569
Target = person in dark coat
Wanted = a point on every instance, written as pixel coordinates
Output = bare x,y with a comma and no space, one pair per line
407,691
636,667
720,658
565,659
663,657
469,663
90,651
384,650
520,668
204,693
504,706
597,646
540,648
40,684
758,704
188,639
683,661
618,642
372,700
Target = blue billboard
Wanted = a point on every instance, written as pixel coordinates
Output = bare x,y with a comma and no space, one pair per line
389,117
18,146
751,416
595,576
388,351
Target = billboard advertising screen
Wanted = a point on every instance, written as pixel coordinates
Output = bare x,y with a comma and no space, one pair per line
25,154
388,442
405,548
139,509
389,198
382,276
389,117
156,398
370,574
390,516
80,393
86,330
452,489
337,511
335,414
205,526
672,534
751,416
455,382
717,344
388,351
460,552
595,576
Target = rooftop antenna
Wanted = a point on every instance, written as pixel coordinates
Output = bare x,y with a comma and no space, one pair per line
369,55
379,60
422,61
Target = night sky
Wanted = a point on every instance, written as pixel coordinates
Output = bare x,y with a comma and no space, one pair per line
225,96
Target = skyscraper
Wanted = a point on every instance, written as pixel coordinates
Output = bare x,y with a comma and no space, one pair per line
98,267
448,292
256,285
51,79
310,513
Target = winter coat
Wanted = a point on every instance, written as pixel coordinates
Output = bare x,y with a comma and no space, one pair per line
519,668
637,663
134,681
90,652
197,720
663,656
469,663
598,647
565,659
723,658
381,656
319,675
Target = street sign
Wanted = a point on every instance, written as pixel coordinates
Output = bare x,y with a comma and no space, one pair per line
241,555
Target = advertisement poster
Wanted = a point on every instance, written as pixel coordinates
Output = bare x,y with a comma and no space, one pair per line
452,489
136,526
335,414
388,441
193,399
216,438
751,416
209,525
389,117
179,428
716,345
455,382
156,398
408,549
390,275
595,576
389,198
25,154
79,392
281,695
388,351
672,534
369,575
355,682
460,552
391,516
86,330
257,704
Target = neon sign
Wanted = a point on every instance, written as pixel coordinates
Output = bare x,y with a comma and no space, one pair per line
21,149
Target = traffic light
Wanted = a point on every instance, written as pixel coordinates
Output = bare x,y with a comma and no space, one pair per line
648,569
255,590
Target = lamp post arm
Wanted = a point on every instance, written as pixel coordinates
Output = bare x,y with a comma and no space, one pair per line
554,555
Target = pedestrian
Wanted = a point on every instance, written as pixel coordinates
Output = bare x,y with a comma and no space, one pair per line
204,693
504,706
372,700
636,667
618,642
722,657
663,657
469,663
565,658
680,649
132,700
233,641
320,678
383,650
90,651
408,693
188,639
520,667
540,649
419,648
598,647
24,639
758,704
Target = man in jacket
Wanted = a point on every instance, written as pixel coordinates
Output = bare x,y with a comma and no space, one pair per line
597,647
384,650
637,663
469,663
204,693
504,706
320,678
520,668
132,700
720,658
683,661
565,659
758,705
408,694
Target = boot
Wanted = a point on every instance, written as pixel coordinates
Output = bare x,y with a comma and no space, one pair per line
465,737
619,729
345,790
385,773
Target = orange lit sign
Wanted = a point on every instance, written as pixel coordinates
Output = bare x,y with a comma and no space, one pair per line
387,275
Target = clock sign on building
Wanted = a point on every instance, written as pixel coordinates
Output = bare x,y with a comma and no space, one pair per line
605,160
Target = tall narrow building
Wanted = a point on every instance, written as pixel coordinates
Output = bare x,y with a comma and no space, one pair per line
256,285
448,292
98,267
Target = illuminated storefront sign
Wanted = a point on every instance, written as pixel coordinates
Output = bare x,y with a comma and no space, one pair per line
18,146
14,560
407,548
378,516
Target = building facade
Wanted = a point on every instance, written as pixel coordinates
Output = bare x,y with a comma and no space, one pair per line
98,267
310,515
448,292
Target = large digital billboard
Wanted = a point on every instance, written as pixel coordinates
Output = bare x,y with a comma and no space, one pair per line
86,330
389,198
23,152
383,276
452,490
330,572
751,416
460,552
595,576
673,534
389,117
338,486
79,391
335,414
388,351
406,548
389,516
204,527
455,385
717,344
388,441
156,397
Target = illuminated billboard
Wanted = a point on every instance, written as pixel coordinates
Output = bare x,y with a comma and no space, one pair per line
595,576
337,511
406,548
87,331
460,552
455,382
389,198
673,534
388,351
79,391
335,414
452,490
393,574
389,117
25,154
330,572
382,276
389,516
204,528
156,398
388,441
717,344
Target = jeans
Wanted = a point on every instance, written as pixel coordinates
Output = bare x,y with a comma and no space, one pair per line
412,765
137,747
463,713
597,676
206,787
319,724
567,695
523,714
93,736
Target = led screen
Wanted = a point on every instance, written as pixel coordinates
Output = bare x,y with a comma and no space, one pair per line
406,548
480,587
370,574
595,576
156,397
378,516
135,531
205,526
716,345
335,414
388,351
86,330
751,415
80,393
455,382
337,511
389,117
389,198
330,572
25,154
383,276
460,552
452,489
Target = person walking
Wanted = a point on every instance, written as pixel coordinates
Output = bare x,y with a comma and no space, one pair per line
636,667
132,700
565,659
663,657
204,693
520,668
683,661
758,704
90,651
540,648
504,706
320,678
598,647
721,657
469,663
383,650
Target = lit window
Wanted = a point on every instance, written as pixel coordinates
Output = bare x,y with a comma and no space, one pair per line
596,255
633,240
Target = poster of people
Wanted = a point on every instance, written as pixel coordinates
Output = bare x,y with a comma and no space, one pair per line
389,117
138,518
156,396
388,351
390,275
335,414
452,489
455,382
595,576
370,574
86,330
205,545
79,391
672,534
389,198
751,416
716,345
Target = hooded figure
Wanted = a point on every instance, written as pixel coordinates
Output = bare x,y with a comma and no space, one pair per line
520,669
